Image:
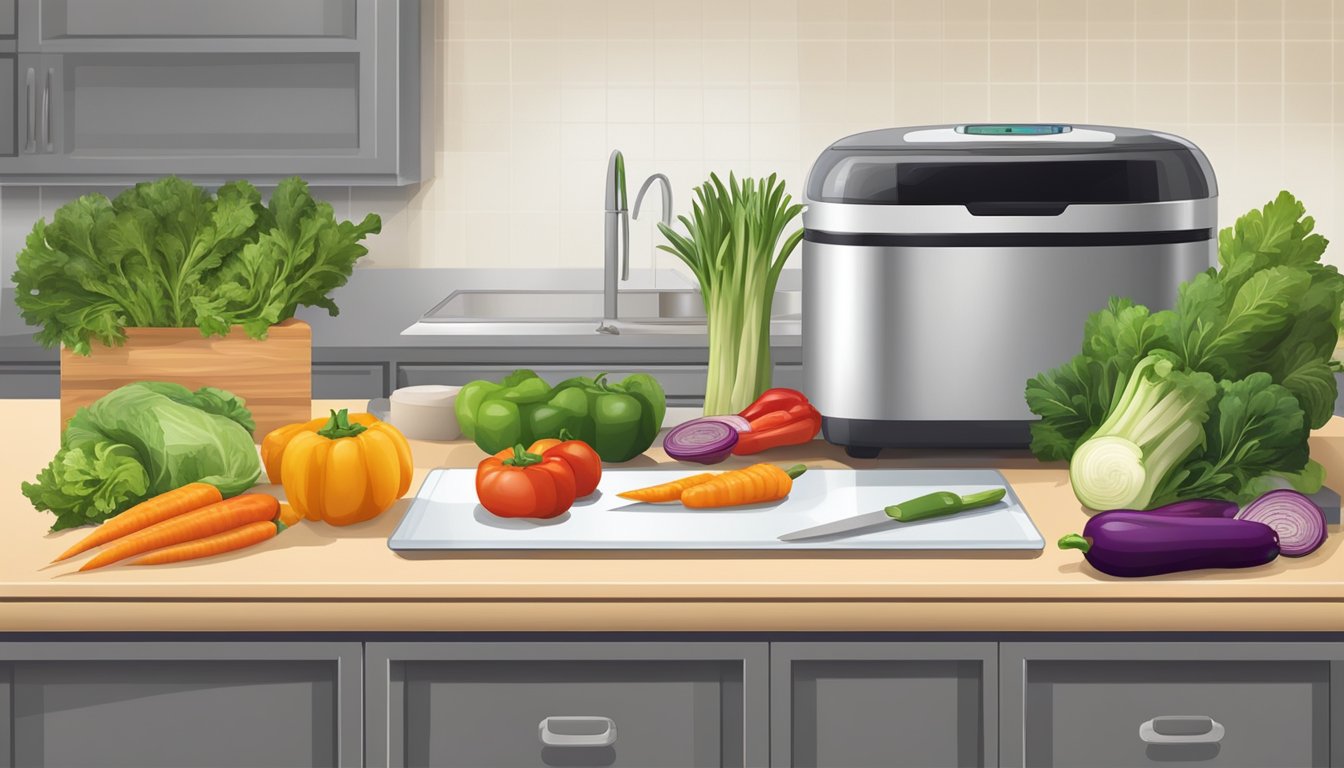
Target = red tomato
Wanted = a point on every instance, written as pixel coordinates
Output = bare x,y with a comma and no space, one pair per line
583,461
542,488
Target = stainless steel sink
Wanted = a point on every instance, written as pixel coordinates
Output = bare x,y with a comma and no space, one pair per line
637,307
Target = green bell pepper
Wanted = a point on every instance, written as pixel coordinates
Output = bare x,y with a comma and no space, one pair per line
622,418
619,420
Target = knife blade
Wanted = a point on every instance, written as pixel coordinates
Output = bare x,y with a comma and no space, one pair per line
918,508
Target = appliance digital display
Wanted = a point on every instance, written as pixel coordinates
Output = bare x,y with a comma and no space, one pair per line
1013,130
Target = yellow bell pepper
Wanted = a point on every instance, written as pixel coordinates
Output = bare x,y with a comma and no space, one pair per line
277,440
346,472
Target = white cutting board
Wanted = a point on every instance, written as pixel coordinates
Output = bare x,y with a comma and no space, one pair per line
446,515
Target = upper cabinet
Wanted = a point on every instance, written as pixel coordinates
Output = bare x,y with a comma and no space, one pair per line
117,91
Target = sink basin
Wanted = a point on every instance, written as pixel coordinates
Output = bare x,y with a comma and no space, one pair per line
636,307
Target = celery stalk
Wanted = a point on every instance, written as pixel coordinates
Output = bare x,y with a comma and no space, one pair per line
732,245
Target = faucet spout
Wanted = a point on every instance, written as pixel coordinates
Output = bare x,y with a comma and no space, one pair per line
667,197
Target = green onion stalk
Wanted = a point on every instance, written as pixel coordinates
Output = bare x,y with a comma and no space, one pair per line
732,245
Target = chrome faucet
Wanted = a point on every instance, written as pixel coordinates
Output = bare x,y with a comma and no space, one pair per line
616,251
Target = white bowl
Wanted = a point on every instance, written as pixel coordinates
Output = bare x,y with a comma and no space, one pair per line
425,412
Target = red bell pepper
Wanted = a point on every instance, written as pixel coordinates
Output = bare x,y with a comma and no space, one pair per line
797,425
777,399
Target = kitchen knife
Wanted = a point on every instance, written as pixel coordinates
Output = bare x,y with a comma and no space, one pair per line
919,508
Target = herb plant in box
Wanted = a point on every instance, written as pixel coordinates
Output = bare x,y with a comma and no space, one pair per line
732,245
169,282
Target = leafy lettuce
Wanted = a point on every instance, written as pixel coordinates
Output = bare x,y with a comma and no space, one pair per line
167,253
141,440
1263,326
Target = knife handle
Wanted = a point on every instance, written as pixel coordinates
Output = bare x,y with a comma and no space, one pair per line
941,503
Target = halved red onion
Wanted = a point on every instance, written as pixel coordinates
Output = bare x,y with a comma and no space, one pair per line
704,441
733,420
1299,523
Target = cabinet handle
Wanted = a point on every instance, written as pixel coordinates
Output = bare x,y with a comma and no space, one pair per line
1181,729
30,144
46,112
552,739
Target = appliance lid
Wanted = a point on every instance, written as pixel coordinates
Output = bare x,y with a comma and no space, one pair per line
1010,169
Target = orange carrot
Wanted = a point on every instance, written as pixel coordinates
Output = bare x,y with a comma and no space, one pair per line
148,512
667,491
288,515
753,485
245,536
207,521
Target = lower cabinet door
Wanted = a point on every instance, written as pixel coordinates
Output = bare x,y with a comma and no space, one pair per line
1095,705
566,704
843,705
180,705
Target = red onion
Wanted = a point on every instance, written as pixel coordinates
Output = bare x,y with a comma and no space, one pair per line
733,420
1299,523
704,441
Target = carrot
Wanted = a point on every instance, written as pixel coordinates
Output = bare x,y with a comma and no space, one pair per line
206,521
148,512
755,484
667,491
244,536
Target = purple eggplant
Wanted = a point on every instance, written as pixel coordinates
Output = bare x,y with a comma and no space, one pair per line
1191,508
1124,543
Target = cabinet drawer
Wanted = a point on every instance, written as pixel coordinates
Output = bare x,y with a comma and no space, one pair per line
162,704
865,704
567,704
339,381
1083,706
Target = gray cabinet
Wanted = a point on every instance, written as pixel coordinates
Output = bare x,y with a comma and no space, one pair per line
7,18
9,122
64,25
914,705
30,380
566,703
356,381
1213,704
141,705
116,91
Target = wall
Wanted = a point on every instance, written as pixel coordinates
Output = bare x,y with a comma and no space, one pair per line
533,94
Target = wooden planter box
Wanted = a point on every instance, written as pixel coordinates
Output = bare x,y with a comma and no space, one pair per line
273,376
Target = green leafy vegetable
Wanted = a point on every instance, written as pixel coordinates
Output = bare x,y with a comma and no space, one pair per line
167,253
1138,411
141,440
732,244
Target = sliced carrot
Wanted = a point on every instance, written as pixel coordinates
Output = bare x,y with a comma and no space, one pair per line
228,541
753,485
207,521
148,512
667,491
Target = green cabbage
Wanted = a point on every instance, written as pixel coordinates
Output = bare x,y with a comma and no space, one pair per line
142,440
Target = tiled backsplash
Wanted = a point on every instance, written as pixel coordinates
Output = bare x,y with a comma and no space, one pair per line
530,96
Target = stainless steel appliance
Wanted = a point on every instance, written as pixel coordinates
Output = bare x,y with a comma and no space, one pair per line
945,265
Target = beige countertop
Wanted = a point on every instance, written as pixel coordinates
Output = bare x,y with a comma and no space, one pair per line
319,578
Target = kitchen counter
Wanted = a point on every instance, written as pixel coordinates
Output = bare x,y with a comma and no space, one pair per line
319,578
